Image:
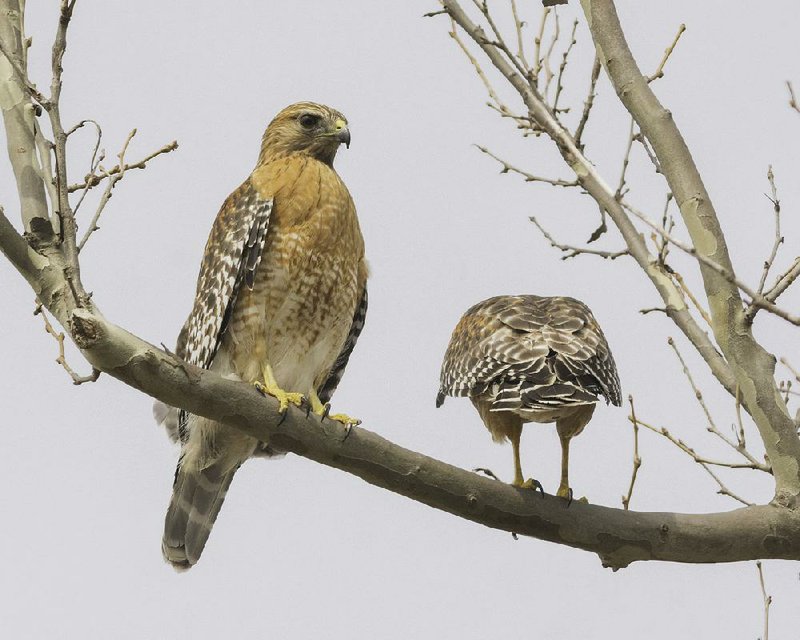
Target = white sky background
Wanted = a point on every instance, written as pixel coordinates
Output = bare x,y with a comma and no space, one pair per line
303,551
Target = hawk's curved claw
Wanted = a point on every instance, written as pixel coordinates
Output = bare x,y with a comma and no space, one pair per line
346,420
568,496
532,483
486,472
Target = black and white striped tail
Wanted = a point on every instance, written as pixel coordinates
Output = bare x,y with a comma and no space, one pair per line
197,497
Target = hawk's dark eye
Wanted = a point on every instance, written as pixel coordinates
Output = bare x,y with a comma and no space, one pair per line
309,120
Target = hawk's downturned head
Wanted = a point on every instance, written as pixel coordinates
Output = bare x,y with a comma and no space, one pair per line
305,127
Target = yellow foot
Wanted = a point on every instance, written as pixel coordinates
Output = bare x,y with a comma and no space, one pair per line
322,410
530,483
345,419
285,398
566,493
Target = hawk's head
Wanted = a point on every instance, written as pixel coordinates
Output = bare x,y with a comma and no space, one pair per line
306,127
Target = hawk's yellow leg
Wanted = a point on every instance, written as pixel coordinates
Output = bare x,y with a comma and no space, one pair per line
519,480
320,409
564,490
271,387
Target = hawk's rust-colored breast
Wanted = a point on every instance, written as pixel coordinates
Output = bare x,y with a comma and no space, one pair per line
312,277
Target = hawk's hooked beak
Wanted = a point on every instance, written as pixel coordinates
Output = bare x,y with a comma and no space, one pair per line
342,133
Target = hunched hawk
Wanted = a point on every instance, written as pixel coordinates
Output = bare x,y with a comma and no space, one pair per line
530,359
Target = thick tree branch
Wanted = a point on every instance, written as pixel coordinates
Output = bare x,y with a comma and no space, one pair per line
19,114
752,366
619,537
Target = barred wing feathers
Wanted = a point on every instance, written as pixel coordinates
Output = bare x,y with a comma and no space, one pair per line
231,258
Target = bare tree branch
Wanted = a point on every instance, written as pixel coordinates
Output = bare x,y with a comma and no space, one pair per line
756,298
529,177
659,73
588,103
752,365
776,207
703,462
752,462
572,252
62,358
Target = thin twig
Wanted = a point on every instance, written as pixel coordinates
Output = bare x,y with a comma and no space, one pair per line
667,53
97,157
62,359
776,208
753,463
548,72
668,223
589,102
519,24
621,191
783,281
794,371
22,76
572,252
529,177
741,441
537,47
93,180
637,461
767,599
703,462
692,298
492,94
639,137
792,100
564,59
499,42
112,182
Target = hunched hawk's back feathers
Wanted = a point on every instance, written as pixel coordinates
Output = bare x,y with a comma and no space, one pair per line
529,352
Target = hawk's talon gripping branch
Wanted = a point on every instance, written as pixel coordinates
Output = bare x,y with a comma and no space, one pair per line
347,421
532,483
284,398
323,411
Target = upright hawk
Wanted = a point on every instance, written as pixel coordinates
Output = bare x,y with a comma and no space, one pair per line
530,359
281,300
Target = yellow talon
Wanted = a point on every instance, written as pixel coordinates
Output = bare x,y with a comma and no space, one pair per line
285,398
271,387
345,419
566,492
530,483
322,410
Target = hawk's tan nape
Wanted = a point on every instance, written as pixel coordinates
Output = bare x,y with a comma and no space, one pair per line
530,359
281,300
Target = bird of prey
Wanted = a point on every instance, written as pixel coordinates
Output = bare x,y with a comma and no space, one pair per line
281,300
527,359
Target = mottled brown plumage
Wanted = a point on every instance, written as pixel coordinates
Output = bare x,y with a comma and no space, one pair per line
281,299
530,359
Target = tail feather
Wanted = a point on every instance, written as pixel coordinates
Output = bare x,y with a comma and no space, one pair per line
197,497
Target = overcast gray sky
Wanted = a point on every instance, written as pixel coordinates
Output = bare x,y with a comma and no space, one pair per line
301,550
